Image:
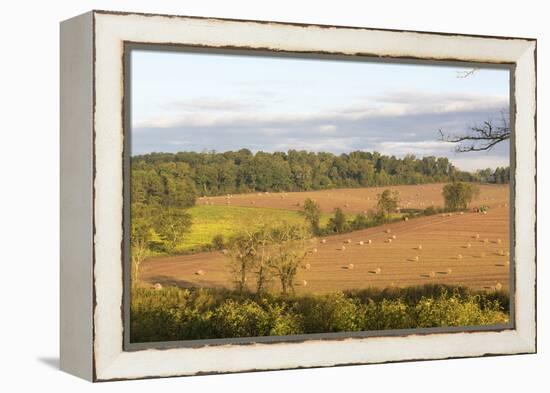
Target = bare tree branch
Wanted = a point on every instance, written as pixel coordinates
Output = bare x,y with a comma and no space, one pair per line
480,137
465,74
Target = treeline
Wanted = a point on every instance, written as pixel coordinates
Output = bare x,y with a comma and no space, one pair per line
176,179
500,175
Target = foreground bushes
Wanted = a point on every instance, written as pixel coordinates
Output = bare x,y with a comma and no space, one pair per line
183,314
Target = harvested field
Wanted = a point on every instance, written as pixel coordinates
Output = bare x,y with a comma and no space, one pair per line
356,200
450,252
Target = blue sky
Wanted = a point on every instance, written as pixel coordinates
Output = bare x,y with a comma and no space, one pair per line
195,102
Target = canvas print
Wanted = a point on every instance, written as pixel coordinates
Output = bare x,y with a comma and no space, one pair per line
281,196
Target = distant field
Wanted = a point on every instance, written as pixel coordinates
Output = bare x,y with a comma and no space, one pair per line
353,200
209,221
444,241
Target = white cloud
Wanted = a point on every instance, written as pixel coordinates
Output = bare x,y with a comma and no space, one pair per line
419,148
204,112
327,128
209,104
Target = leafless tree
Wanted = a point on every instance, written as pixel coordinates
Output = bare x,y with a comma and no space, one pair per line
482,136
479,137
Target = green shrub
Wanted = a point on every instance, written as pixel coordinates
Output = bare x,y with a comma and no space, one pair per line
393,314
361,221
218,242
189,314
430,211
333,312
338,223
284,322
454,311
236,319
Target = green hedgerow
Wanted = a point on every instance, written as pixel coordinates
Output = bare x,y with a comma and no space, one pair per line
172,314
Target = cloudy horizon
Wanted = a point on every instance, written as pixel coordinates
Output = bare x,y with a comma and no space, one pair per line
203,102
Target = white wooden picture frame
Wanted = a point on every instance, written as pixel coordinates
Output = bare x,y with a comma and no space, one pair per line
92,194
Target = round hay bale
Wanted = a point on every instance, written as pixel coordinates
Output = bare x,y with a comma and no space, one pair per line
304,283
449,271
468,245
323,241
351,266
498,286
369,241
499,241
378,270
432,274
348,241
361,242
200,273
388,240
419,247
157,286
388,230
459,256
476,236
405,218
307,266
394,237
343,248
417,258
314,250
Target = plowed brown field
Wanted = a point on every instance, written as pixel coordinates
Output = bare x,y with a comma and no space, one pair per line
444,257
355,200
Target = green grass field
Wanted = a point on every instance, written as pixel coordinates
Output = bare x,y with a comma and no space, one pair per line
209,221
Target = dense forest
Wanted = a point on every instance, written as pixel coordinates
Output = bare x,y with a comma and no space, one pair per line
176,179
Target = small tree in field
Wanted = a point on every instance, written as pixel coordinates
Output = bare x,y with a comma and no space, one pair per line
313,215
338,223
266,253
250,253
287,253
387,202
218,242
242,251
459,195
172,224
